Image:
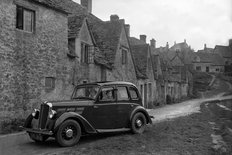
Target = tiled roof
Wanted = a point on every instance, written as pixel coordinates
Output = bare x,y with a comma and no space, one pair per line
207,50
107,35
55,4
224,51
182,45
177,60
140,53
215,59
74,25
135,41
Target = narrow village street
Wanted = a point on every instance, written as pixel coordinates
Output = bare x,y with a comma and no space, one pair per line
182,128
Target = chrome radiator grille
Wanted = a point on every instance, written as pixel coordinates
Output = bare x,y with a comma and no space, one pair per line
43,116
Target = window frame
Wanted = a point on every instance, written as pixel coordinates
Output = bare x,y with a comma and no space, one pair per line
87,53
21,20
136,91
52,83
107,101
128,94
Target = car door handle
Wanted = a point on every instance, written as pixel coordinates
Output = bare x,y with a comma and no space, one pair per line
95,106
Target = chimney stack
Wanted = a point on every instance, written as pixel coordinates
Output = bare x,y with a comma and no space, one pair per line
167,45
127,27
184,40
230,43
205,46
114,18
153,43
143,38
87,4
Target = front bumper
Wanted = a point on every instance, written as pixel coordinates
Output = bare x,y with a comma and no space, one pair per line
39,131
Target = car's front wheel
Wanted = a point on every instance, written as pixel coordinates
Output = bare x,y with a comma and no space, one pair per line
68,133
138,123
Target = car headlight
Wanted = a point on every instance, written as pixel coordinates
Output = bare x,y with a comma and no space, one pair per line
52,113
35,113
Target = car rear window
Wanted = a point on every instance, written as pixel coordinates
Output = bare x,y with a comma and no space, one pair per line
133,93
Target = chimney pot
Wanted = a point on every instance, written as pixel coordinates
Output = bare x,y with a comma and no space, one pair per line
87,4
184,40
205,46
143,38
127,28
114,18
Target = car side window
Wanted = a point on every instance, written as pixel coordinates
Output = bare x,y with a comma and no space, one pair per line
107,94
122,93
133,93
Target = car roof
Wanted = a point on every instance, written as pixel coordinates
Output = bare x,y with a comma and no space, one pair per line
102,83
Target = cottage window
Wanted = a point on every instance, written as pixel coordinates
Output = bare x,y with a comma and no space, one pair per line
198,68
49,83
124,56
25,19
87,53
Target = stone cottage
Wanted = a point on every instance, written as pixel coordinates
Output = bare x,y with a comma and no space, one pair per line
208,62
141,53
34,65
88,61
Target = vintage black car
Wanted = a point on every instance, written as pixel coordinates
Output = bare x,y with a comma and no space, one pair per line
94,108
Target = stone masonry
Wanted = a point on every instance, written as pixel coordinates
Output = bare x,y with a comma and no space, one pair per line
26,59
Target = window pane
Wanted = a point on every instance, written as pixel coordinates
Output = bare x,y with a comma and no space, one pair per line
122,94
19,18
107,94
28,20
50,82
133,93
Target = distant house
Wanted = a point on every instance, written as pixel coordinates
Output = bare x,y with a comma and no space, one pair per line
225,52
208,62
176,65
141,53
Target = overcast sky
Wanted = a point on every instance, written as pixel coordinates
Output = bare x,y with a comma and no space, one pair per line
197,21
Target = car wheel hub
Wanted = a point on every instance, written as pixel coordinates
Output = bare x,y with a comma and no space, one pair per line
139,123
69,133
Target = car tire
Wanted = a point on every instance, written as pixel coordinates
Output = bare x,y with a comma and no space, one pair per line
68,133
38,137
138,123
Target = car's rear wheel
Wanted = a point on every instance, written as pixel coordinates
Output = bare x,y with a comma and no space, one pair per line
38,137
138,123
68,133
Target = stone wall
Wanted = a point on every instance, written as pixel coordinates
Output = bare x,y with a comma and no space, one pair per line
27,58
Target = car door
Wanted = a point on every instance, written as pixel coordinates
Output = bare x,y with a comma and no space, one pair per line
102,115
124,107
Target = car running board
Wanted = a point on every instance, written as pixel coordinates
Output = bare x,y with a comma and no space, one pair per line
113,130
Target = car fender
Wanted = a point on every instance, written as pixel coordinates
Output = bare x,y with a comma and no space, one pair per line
72,115
27,123
142,110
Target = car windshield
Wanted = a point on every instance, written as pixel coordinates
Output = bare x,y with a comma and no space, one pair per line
85,92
